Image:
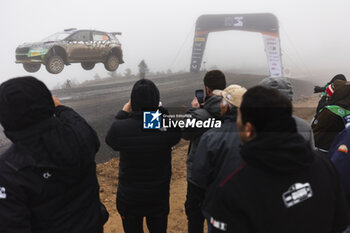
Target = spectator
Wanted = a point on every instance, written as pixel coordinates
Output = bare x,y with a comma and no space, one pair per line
282,186
143,69
325,96
339,154
48,175
333,117
285,87
145,162
217,154
213,80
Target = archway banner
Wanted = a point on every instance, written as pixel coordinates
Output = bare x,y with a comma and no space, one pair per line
264,23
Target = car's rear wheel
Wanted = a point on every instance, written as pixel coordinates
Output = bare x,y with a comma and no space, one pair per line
112,63
55,64
31,67
87,65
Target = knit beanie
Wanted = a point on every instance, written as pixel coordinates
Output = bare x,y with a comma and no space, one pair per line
144,96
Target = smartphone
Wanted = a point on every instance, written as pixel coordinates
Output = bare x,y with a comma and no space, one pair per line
200,95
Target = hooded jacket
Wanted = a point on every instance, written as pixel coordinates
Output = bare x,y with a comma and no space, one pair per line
48,180
211,109
145,155
282,187
326,125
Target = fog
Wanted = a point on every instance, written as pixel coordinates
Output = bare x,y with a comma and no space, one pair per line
314,34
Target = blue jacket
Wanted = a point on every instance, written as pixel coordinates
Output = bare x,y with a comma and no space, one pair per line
340,156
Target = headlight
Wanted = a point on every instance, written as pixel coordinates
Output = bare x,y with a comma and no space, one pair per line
37,52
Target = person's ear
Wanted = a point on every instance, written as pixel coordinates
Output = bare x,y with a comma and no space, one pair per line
249,131
223,109
208,91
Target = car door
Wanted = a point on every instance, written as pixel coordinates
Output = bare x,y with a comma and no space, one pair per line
79,46
101,45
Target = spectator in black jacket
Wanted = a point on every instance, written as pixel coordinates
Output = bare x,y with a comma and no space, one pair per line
282,186
217,153
213,80
48,180
145,162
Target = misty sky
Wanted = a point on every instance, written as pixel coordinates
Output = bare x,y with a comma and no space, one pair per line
315,35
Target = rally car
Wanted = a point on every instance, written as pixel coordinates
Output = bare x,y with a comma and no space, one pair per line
87,47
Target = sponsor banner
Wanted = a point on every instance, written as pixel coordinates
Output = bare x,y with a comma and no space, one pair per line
273,53
197,52
199,39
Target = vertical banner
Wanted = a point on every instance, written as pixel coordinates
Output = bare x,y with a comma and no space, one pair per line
273,54
198,51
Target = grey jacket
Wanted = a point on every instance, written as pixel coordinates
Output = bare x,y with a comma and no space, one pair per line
211,109
304,129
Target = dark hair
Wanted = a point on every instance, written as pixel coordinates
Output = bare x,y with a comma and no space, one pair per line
266,109
215,80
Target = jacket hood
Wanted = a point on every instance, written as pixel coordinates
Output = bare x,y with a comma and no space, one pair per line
144,96
280,149
281,84
24,101
212,105
337,77
341,96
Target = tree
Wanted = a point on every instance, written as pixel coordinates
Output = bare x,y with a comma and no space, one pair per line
113,74
97,77
127,72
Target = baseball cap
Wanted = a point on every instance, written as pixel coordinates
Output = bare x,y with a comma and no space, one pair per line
232,94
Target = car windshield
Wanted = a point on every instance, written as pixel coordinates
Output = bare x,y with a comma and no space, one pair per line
57,36
113,37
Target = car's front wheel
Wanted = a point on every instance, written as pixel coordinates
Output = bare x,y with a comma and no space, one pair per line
112,63
55,64
87,65
31,67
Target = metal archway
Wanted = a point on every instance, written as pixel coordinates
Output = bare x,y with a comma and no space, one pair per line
265,23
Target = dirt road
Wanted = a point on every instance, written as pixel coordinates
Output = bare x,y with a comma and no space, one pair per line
99,101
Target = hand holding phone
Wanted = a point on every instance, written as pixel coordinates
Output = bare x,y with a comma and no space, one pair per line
200,95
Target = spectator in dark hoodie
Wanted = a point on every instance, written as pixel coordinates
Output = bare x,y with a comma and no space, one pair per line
145,162
217,153
282,186
213,80
48,180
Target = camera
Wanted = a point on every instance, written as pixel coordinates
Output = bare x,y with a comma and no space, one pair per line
318,89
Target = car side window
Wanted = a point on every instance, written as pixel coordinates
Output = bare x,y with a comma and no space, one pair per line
81,36
98,36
